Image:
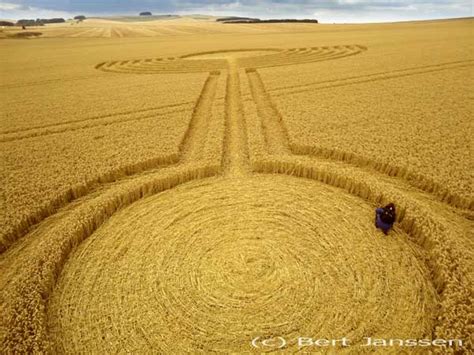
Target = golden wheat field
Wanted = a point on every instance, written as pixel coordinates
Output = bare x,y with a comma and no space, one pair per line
188,186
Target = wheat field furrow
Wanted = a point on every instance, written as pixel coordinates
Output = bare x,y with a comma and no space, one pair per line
193,144
127,97
335,55
146,110
416,70
303,60
368,78
78,125
85,77
83,33
234,196
161,31
296,59
276,136
54,85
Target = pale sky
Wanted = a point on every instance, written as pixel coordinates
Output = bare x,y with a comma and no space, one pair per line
326,11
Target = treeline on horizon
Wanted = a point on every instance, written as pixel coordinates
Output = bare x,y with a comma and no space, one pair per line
229,19
31,22
236,19
39,21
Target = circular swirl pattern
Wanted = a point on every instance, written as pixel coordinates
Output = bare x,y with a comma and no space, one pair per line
218,60
214,263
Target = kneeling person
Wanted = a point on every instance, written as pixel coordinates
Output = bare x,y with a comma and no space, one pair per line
385,217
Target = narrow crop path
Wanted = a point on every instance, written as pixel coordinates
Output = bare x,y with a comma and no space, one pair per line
236,155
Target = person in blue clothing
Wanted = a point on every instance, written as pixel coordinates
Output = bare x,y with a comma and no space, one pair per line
385,217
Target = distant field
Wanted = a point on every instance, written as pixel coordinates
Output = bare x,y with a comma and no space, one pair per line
187,177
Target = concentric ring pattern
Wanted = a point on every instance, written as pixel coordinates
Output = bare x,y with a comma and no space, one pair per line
182,271
216,60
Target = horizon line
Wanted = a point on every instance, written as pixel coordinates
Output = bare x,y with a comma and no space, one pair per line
262,18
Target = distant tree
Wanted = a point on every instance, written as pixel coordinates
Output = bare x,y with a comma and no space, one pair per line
236,18
79,17
39,21
6,23
26,22
50,20
145,13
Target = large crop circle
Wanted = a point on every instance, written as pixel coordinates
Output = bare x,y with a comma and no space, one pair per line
214,263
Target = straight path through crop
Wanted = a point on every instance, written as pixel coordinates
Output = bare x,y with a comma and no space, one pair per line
236,155
275,134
